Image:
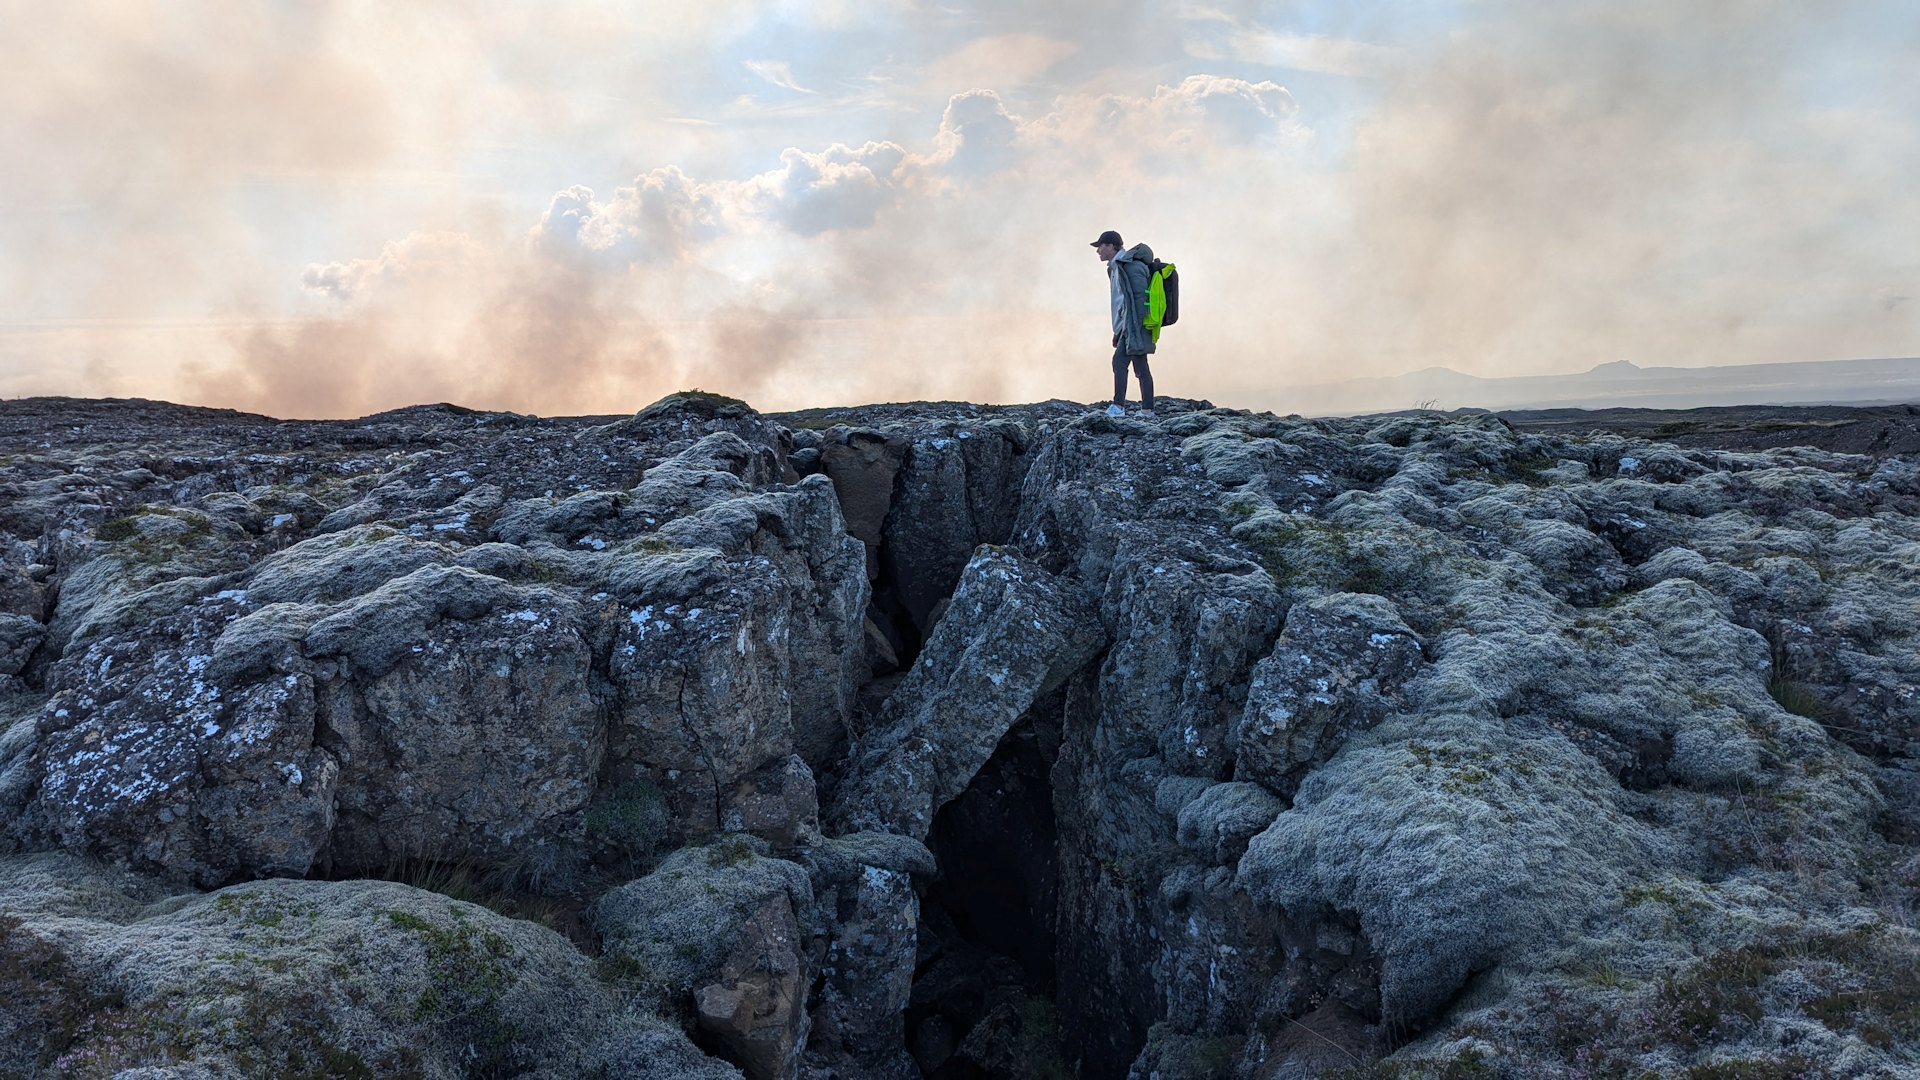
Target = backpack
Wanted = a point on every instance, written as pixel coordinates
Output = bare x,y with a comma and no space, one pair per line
1163,296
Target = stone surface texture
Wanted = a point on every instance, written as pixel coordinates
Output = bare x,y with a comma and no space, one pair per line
444,743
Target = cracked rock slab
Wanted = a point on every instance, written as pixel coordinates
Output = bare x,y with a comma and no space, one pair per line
1013,634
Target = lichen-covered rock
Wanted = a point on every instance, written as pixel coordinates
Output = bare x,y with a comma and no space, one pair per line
867,904
674,929
19,636
392,691
1018,636
779,647
1459,851
862,465
958,488
143,759
779,803
756,1005
1336,669
483,737
1524,727
1222,818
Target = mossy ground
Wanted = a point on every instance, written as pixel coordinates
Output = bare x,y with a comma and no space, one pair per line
65,1029
47,1007
470,968
154,547
1862,983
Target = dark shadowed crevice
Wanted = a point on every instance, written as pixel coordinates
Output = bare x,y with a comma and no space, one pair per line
890,614
995,846
986,979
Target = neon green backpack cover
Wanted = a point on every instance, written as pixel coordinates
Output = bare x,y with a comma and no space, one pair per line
1163,297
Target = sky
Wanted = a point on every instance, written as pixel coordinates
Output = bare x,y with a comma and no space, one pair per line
327,209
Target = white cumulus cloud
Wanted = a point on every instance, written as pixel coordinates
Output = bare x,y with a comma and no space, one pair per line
418,255
977,134
840,187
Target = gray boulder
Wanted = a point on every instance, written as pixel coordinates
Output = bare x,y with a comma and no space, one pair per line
675,928
1219,821
867,903
862,465
713,934
143,759
1336,669
958,488
341,565
483,738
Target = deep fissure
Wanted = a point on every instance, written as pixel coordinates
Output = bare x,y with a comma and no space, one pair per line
986,967
987,928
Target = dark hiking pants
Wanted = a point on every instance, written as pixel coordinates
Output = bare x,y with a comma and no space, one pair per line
1120,361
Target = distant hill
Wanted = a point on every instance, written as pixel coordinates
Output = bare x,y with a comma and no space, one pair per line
1619,384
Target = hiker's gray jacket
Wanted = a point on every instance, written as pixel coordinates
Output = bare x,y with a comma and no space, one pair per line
1127,276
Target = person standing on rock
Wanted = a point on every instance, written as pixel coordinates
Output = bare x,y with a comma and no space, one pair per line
1128,273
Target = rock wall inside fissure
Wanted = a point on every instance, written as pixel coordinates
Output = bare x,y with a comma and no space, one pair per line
921,498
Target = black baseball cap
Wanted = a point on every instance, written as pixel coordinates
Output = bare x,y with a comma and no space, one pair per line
1108,237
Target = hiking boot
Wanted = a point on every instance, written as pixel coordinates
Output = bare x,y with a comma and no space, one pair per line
1116,411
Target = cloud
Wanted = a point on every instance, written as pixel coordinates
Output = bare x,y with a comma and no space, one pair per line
977,134
1004,61
438,254
838,188
665,216
777,72
660,218
1313,52
1245,110
360,208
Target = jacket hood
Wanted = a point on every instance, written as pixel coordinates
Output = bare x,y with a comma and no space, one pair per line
1136,253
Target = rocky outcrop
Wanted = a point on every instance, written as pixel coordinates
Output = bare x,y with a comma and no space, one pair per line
368,696
951,741
866,901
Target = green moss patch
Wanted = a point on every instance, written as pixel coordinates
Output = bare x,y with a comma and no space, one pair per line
699,402
290,1036
1870,978
467,963
632,820
1791,1067
1301,551
146,543
264,909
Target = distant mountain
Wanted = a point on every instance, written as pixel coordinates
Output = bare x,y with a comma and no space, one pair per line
1621,383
